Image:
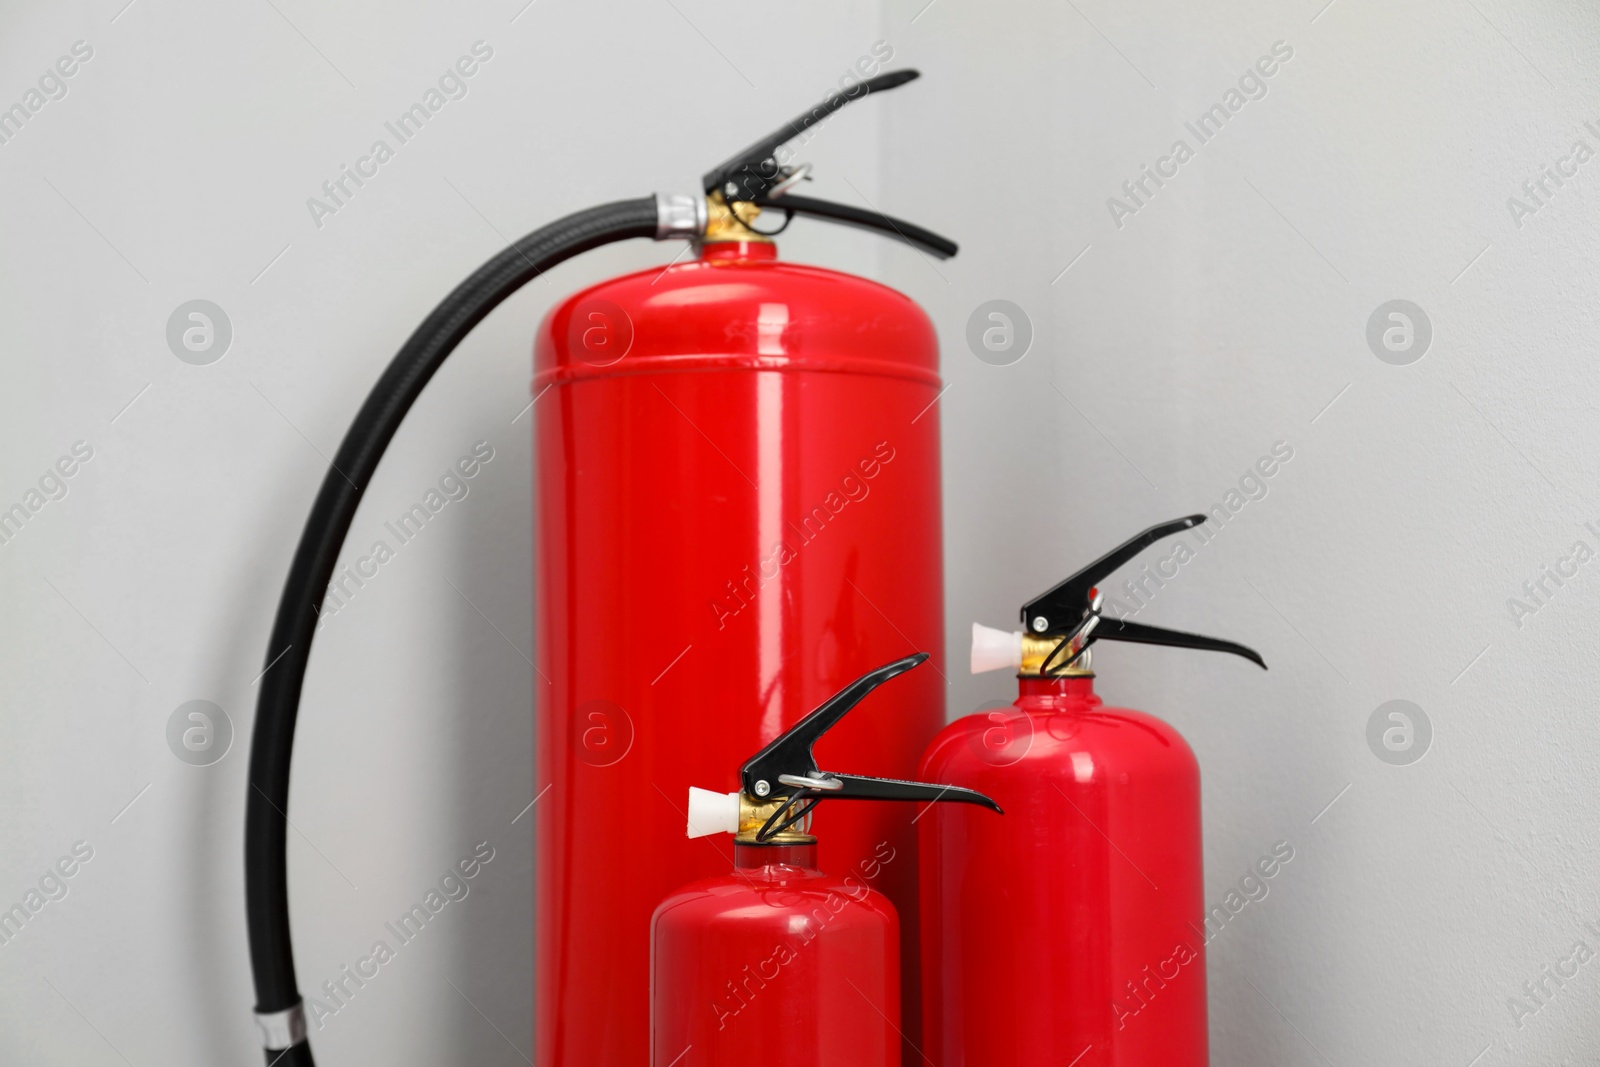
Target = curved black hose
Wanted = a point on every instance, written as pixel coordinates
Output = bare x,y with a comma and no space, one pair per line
266,870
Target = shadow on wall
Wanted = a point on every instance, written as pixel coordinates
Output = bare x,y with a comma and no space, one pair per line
490,561
209,906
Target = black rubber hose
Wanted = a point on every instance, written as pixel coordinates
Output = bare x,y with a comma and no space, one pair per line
265,861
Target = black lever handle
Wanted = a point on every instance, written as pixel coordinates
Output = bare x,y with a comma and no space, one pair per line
1065,605
1070,609
876,221
786,769
790,752
859,788
1122,630
755,175
748,174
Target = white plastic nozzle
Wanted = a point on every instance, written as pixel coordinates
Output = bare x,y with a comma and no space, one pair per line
712,813
993,649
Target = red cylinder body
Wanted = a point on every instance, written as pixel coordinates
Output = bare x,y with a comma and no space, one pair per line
777,964
738,513
1071,931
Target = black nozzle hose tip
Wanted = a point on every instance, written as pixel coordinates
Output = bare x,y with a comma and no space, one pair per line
294,1056
894,79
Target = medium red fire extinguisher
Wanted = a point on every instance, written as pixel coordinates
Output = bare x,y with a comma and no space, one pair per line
737,481
1072,931
777,962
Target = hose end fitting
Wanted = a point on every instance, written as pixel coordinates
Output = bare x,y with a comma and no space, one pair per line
680,216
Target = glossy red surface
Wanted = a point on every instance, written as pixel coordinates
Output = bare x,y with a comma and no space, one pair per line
776,964
1071,931
735,518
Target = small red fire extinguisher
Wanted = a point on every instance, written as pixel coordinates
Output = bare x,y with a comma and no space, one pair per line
777,962
1070,932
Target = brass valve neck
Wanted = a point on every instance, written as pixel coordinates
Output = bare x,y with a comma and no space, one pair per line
753,815
725,224
1037,647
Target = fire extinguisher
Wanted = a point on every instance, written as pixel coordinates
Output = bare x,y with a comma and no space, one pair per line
1072,931
737,476
777,962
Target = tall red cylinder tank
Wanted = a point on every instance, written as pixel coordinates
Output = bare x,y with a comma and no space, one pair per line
737,508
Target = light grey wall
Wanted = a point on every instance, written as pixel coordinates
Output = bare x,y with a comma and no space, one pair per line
1229,313
1169,354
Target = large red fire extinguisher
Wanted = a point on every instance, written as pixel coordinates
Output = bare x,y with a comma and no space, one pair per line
1071,931
738,510
777,962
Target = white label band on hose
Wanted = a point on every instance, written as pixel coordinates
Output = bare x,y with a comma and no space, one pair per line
282,1029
